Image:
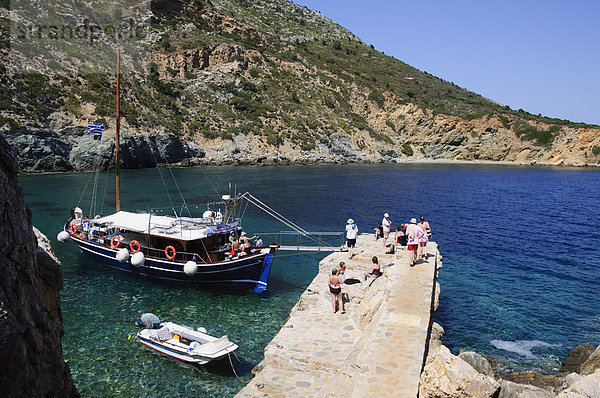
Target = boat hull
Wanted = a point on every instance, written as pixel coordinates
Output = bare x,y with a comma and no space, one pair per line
251,270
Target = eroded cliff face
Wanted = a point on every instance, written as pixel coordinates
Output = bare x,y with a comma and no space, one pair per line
221,87
31,361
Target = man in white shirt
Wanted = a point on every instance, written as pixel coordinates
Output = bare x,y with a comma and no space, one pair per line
386,223
351,233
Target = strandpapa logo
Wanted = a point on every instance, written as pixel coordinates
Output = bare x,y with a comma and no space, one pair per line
87,32
71,36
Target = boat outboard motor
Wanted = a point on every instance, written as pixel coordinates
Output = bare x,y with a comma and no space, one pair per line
148,320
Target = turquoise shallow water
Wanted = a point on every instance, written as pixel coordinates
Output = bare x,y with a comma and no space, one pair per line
519,283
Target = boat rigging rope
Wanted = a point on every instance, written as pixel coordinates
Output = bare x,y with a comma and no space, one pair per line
84,189
93,199
180,194
210,182
255,201
104,193
164,183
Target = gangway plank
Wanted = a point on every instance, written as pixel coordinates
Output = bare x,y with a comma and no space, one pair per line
306,241
312,248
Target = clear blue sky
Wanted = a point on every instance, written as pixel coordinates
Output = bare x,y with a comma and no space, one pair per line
542,56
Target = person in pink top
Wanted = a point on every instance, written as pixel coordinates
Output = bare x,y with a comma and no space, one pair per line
424,225
375,269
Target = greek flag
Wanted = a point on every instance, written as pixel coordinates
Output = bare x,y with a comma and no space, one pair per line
96,129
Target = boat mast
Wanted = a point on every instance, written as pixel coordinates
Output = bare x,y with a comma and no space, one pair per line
117,144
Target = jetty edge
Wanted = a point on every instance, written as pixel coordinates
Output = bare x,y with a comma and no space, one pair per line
378,348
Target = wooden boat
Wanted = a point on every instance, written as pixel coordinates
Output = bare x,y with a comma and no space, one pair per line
187,249
185,344
191,250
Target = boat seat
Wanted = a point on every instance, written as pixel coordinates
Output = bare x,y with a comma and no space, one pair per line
162,334
213,347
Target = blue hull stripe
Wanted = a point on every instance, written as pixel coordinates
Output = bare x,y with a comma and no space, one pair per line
244,270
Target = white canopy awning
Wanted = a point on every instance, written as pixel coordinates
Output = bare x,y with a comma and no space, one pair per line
136,222
165,226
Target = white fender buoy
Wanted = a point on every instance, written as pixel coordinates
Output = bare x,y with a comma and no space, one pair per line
63,236
123,255
138,259
190,268
201,329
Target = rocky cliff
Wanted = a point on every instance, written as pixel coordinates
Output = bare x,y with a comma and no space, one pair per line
233,81
31,361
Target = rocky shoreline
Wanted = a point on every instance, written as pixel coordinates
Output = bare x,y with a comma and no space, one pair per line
469,374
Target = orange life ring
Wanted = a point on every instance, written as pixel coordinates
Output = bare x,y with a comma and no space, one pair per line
136,244
73,229
115,242
170,249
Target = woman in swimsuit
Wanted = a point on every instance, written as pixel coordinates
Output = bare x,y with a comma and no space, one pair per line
424,237
335,288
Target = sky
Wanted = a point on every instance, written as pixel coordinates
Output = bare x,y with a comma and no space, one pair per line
541,56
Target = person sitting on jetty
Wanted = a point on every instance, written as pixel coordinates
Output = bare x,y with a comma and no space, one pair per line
375,269
335,288
351,232
378,231
400,236
342,270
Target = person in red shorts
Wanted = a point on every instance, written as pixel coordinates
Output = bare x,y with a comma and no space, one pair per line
412,231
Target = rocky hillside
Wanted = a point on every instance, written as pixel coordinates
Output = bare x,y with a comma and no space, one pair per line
238,81
31,361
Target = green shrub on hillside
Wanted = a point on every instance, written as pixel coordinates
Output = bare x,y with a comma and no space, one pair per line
407,149
376,96
380,136
390,124
524,130
596,150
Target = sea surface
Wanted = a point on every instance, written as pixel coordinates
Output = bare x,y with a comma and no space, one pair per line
520,246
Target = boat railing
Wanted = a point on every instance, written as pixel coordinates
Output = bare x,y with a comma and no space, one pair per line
305,241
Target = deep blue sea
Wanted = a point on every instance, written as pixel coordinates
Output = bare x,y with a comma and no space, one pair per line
519,281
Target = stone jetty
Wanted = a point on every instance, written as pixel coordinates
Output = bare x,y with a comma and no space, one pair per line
377,348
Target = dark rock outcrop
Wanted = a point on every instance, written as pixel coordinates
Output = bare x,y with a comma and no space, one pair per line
576,357
39,150
592,363
31,361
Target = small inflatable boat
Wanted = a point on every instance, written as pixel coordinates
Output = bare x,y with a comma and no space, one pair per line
183,343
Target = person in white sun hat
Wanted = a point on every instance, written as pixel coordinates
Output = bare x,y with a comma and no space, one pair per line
385,224
351,233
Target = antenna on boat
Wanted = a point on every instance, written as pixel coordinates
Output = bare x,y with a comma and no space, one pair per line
117,143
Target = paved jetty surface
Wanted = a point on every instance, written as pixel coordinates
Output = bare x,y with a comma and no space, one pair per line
376,349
